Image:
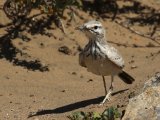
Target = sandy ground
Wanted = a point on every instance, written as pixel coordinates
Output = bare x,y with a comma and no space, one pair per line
63,86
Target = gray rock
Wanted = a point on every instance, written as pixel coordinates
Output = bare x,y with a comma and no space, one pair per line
154,81
145,106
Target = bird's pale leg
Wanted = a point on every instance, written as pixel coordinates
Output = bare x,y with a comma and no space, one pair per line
109,92
104,82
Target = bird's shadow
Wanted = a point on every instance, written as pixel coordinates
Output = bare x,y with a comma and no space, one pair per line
72,106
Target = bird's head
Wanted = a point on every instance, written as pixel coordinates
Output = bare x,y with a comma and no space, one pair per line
92,29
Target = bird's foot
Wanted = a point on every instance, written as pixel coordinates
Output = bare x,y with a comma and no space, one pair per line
107,98
102,103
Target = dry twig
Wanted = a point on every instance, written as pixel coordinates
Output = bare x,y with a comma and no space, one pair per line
138,33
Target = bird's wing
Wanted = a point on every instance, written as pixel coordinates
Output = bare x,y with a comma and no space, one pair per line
81,59
114,56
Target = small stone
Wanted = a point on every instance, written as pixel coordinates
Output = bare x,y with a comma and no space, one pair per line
33,19
65,50
132,61
133,66
122,105
63,91
90,80
41,44
31,95
74,73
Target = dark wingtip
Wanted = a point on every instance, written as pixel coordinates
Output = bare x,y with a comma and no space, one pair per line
126,77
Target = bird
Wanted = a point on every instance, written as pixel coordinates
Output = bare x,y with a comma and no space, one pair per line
100,58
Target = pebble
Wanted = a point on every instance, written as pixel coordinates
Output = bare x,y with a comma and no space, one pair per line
133,66
64,49
90,80
63,91
31,95
132,61
74,73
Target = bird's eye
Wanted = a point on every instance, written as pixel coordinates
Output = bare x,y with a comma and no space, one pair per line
95,27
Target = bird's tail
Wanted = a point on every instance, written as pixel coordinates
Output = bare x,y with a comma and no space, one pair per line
126,77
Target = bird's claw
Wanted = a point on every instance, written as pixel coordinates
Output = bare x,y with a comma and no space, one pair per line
102,103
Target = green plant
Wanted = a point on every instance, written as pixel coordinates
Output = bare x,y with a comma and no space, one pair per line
111,113
85,116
